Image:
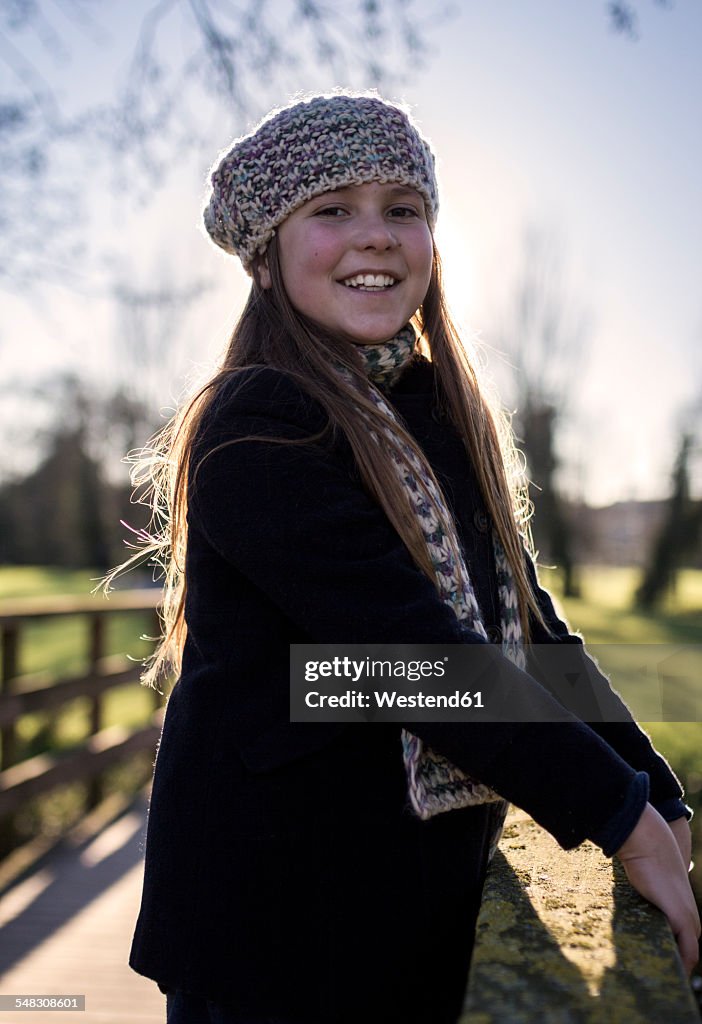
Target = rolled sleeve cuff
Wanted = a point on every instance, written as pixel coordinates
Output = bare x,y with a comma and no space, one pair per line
673,809
622,824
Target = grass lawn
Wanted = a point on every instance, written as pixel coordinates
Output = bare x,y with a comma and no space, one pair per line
36,581
604,615
654,660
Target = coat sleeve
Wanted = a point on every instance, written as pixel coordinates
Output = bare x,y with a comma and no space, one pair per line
624,736
295,521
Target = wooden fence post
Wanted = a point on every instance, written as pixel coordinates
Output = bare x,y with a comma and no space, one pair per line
10,671
8,739
96,651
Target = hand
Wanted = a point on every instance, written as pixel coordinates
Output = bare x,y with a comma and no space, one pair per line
683,837
655,867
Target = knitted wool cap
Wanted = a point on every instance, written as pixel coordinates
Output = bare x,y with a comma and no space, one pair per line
326,142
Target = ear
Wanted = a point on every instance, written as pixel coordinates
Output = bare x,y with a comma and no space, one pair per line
264,274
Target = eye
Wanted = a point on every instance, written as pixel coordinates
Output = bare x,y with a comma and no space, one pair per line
330,211
403,212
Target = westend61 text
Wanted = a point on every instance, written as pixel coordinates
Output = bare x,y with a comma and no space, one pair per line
393,699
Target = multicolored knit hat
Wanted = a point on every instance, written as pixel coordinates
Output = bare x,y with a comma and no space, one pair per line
323,143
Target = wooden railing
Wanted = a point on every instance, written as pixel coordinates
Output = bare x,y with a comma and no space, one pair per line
22,780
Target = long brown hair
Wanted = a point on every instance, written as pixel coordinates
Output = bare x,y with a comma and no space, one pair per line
270,332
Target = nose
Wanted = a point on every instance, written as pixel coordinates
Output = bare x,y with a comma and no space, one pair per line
374,232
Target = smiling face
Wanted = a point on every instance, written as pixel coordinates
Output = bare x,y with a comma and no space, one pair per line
357,261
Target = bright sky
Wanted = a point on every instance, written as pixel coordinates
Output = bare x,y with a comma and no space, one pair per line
540,115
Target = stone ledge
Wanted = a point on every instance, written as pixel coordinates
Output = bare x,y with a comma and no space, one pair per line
562,938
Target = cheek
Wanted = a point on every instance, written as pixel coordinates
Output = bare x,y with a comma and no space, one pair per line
319,252
306,258
306,265
428,253
423,261
419,251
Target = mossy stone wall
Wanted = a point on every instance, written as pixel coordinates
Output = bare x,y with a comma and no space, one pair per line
564,939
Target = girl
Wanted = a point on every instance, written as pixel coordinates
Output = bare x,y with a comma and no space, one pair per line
341,479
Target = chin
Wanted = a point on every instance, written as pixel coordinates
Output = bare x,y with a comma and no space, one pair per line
374,337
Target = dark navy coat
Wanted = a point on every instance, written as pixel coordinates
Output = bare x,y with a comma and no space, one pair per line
285,873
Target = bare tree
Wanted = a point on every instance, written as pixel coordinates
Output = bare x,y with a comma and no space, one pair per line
624,19
547,329
64,509
678,534
246,54
678,541
150,336
544,334
240,57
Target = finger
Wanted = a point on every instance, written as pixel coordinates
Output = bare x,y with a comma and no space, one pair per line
689,950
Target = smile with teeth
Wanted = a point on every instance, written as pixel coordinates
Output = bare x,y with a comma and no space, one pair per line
370,282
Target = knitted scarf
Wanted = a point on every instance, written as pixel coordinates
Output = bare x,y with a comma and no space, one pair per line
434,784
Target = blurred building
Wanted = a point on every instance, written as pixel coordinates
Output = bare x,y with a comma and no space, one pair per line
618,534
